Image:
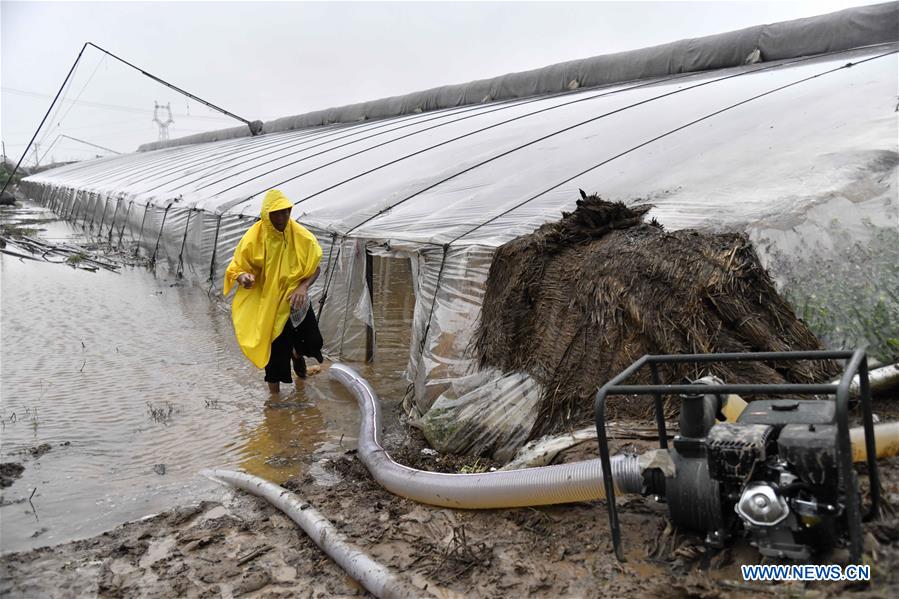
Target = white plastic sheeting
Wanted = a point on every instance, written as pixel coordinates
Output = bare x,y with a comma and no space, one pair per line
758,148
439,177
842,30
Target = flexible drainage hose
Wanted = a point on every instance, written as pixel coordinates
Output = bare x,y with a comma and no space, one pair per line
566,483
377,579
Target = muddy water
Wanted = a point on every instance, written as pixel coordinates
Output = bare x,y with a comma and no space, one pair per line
135,383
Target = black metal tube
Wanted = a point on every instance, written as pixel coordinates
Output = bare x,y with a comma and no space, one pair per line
92,208
608,484
660,407
330,270
853,511
870,441
753,356
180,269
599,411
76,209
215,243
87,143
165,214
702,389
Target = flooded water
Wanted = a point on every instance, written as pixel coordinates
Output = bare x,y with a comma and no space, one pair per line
118,388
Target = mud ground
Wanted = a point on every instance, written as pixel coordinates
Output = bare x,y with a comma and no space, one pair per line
242,547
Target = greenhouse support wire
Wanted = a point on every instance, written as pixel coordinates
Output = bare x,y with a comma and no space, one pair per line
543,138
477,108
305,139
672,131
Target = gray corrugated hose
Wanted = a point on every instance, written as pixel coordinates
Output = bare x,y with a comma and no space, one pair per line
565,483
377,579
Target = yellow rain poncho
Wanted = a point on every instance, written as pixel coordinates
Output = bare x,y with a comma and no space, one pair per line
279,261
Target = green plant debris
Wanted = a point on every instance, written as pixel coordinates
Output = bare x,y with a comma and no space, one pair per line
17,230
847,294
475,468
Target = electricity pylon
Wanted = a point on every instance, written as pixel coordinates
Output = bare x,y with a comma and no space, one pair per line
163,125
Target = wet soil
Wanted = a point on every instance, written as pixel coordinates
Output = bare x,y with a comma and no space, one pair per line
241,546
10,471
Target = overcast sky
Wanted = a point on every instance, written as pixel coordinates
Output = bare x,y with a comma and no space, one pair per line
266,60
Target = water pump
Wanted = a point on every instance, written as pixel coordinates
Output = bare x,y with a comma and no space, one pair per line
781,475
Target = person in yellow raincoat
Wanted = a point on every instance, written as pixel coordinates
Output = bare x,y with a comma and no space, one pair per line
275,263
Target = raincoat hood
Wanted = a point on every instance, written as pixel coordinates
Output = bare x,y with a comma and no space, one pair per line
280,261
273,201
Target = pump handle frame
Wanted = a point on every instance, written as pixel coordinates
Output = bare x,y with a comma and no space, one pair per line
856,363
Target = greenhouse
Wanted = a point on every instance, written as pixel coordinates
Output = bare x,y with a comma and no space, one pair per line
785,132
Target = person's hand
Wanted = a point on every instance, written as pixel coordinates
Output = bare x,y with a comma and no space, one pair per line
246,279
298,297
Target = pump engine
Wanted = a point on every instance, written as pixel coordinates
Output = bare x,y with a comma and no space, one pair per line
772,473
781,474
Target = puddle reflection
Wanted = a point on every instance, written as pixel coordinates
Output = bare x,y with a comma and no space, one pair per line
292,429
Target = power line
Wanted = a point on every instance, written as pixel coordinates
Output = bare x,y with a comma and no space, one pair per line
93,104
36,131
61,136
83,87
66,90
255,127
70,128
